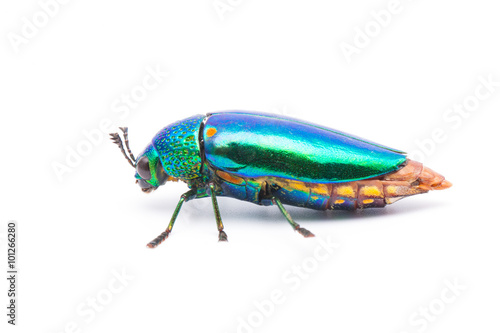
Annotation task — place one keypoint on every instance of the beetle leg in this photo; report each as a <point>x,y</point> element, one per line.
<point>218,219</point>
<point>164,235</point>
<point>303,231</point>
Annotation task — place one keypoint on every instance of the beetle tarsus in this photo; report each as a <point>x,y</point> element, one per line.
<point>158,240</point>
<point>304,232</point>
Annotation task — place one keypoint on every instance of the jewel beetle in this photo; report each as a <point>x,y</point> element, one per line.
<point>270,159</point>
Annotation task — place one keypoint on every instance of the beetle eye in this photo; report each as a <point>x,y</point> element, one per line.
<point>143,168</point>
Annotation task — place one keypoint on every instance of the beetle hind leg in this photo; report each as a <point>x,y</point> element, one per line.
<point>303,231</point>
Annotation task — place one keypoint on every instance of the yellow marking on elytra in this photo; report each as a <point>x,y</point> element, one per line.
<point>211,131</point>
<point>230,178</point>
<point>368,201</point>
<point>371,191</point>
<point>345,191</point>
<point>339,201</point>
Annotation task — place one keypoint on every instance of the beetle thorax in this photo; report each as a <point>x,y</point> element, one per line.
<point>178,148</point>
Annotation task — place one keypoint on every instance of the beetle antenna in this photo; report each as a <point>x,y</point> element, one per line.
<point>125,137</point>
<point>115,137</point>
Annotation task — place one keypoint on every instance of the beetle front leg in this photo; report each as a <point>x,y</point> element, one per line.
<point>303,231</point>
<point>218,219</point>
<point>164,235</point>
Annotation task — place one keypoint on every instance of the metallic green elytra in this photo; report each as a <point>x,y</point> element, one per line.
<point>268,159</point>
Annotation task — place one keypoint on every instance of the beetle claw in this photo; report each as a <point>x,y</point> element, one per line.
<point>222,236</point>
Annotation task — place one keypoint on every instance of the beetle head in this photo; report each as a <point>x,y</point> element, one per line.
<point>149,172</point>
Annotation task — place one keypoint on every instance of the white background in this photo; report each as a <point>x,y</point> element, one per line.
<point>77,232</point>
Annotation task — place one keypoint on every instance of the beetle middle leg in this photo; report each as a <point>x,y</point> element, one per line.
<point>164,235</point>
<point>303,231</point>
<point>218,219</point>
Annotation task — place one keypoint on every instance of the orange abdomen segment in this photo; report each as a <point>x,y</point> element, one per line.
<point>412,179</point>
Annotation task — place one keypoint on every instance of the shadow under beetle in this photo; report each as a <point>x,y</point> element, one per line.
<point>269,159</point>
